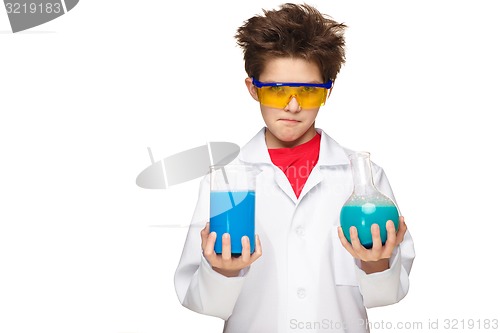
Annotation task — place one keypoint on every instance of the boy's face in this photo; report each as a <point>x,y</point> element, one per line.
<point>290,126</point>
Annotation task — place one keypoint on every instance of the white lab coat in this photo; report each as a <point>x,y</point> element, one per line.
<point>305,280</point>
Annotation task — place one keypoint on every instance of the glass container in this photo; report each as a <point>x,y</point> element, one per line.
<point>366,205</point>
<point>232,204</point>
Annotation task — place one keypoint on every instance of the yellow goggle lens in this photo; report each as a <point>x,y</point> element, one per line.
<point>280,96</point>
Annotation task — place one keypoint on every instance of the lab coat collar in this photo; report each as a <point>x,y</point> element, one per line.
<point>330,153</point>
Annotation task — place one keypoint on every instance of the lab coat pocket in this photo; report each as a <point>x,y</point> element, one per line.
<point>344,264</point>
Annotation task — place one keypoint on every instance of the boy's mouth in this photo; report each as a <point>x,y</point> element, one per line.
<point>289,120</point>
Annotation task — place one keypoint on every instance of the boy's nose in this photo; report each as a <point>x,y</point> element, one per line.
<point>293,105</point>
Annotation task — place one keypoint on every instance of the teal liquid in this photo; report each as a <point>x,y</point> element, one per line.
<point>234,214</point>
<point>363,216</point>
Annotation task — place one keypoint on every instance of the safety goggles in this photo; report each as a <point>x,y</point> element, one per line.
<point>279,94</point>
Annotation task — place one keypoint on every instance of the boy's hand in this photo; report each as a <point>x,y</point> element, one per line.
<point>224,263</point>
<point>375,259</point>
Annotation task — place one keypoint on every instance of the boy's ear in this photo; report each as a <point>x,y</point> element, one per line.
<point>251,88</point>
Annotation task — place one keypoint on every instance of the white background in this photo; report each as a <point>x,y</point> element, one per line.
<point>83,249</point>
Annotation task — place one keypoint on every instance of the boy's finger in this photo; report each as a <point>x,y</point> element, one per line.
<point>204,235</point>
<point>391,239</point>
<point>245,251</point>
<point>391,232</point>
<point>402,230</point>
<point>226,247</point>
<point>377,241</point>
<point>356,244</point>
<point>345,242</point>
<point>208,249</point>
<point>206,228</point>
<point>343,239</point>
<point>258,249</point>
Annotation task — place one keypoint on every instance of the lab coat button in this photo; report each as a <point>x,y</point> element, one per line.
<point>300,231</point>
<point>301,293</point>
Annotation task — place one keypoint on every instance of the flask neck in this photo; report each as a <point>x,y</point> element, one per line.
<point>362,173</point>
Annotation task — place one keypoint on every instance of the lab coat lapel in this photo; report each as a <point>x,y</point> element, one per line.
<point>284,184</point>
<point>330,154</point>
<point>315,177</point>
<point>255,152</point>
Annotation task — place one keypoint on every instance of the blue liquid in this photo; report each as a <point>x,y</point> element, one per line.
<point>235,214</point>
<point>362,217</point>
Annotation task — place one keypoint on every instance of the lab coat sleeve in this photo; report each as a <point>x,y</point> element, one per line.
<point>389,286</point>
<point>198,287</point>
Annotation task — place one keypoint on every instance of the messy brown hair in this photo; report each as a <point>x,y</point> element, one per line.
<point>298,31</point>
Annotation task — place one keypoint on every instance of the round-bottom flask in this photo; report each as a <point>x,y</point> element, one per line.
<point>366,205</point>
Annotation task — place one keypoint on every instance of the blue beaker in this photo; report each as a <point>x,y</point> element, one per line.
<point>232,205</point>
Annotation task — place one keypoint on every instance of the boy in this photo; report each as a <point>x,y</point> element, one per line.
<point>303,274</point>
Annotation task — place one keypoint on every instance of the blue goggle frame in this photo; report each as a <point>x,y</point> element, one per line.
<point>259,84</point>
